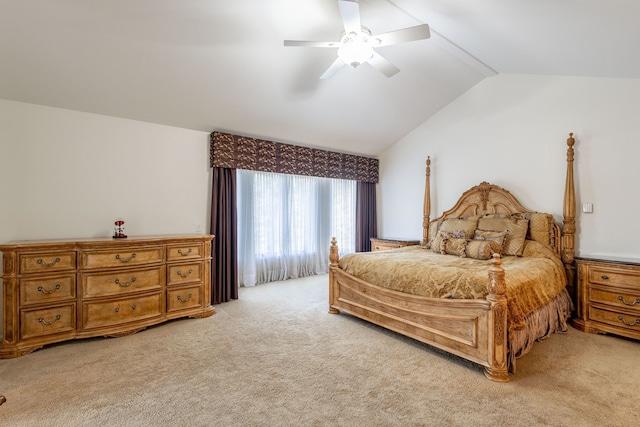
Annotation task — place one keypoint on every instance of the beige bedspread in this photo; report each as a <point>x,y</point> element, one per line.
<point>532,280</point>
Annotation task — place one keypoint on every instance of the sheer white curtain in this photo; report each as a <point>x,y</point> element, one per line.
<point>285,224</point>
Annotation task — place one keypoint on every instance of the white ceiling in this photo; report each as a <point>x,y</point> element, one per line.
<point>221,65</point>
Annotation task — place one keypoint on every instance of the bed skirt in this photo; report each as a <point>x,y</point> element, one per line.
<point>539,324</point>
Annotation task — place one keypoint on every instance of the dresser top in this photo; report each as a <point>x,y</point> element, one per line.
<point>610,259</point>
<point>394,239</point>
<point>124,241</point>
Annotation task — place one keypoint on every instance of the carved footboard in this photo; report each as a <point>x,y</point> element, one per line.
<point>473,329</point>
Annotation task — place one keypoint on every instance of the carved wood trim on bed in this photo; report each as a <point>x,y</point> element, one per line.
<point>473,329</point>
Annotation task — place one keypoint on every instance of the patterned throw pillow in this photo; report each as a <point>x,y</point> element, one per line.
<point>434,226</point>
<point>453,246</point>
<point>454,225</point>
<point>540,226</point>
<point>495,239</point>
<point>480,249</point>
<point>516,232</point>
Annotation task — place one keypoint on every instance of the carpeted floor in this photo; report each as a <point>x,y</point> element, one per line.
<point>275,357</point>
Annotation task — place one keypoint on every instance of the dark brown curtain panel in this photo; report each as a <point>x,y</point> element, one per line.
<point>224,267</point>
<point>366,220</point>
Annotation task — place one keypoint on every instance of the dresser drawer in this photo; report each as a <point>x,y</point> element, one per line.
<point>184,273</point>
<point>184,298</point>
<point>615,276</point>
<point>385,244</point>
<point>47,289</point>
<point>47,262</point>
<point>120,282</point>
<point>615,318</point>
<point>185,251</point>
<point>123,257</point>
<point>630,301</point>
<point>47,321</point>
<point>96,314</point>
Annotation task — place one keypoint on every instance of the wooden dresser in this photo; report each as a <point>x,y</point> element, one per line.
<point>380,244</point>
<point>608,296</point>
<point>66,289</point>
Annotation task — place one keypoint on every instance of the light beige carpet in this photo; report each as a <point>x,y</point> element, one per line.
<point>275,357</point>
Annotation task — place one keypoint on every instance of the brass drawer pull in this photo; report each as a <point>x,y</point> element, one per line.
<point>605,277</point>
<point>44,322</point>
<point>185,253</point>
<point>48,264</point>
<point>117,310</point>
<point>44,291</point>
<point>621,298</point>
<point>637,321</point>
<point>184,300</point>
<point>123,284</point>
<point>133,255</point>
<point>185,275</point>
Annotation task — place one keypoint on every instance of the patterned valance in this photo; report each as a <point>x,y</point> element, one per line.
<point>240,152</point>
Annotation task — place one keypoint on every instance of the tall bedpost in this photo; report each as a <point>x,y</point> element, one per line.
<point>334,258</point>
<point>426,207</point>
<point>497,371</point>
<point>569,222</point>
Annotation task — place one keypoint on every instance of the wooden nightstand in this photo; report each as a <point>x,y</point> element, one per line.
<point>608,296</point>
<point>380,244</point>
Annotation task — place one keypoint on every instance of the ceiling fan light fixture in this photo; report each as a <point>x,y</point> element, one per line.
<point>355,50</point>
<point>357,44</point>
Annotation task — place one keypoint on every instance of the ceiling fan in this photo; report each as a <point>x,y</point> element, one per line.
<point>356,45</point>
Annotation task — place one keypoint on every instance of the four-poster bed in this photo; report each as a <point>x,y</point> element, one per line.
<point>487,320</point>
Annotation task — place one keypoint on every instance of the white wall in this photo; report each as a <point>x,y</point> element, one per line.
<point>511,130</point>
<point>66,174</point>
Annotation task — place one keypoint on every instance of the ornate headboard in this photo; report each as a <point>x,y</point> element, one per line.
<point>487,199</point>
<point>484,199</point>
<point>490,199</point>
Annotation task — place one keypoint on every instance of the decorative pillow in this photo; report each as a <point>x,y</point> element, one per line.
<point>479,249</point>
<point>453,246</point>
<point>495,239</point>
<point>466,225</point>
<point>516,232</point>
<point>433,231</point>
<point>514,242</point>
<point>540,226</point>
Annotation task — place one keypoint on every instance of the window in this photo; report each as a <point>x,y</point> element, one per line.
<point>285,224</point>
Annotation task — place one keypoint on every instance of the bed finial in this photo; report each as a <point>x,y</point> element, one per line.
<point>333,252</point>
<point>571,141</point>
<point>427,204</point>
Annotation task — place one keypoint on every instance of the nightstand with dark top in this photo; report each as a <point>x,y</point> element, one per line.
<point>608,296</point>
<point>380,244</point>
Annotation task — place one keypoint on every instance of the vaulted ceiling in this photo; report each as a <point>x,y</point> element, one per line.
<point>221,65</point>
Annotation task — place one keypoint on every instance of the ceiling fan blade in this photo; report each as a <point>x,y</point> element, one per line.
<point>382,65</point>
<point>303,43</point>
<point>350,12</point>
<point>410,34</point>
<point>333,68</point>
